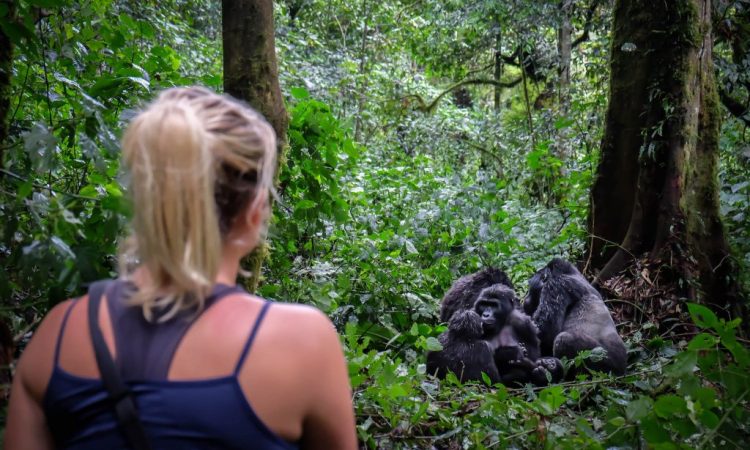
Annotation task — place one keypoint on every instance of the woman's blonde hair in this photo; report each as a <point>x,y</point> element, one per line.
<point>196,160</point>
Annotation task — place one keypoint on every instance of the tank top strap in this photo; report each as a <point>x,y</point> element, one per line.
<point>249,343</point>
<point>62,329</point>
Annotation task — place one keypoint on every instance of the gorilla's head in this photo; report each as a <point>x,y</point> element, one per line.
<point>465,325</point>
<point>556,277</point>
<point>493,305</point>
<point>465,291</point>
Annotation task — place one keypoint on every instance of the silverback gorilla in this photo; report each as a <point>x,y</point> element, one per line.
<point>571,317</point>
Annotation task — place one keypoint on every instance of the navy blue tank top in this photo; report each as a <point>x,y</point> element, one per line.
<point>195,414</point>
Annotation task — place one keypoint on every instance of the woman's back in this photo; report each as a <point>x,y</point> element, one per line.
<point>201,171</point>
<point>224,387</point>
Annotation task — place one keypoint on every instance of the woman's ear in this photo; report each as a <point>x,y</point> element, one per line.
<point>258,211</point>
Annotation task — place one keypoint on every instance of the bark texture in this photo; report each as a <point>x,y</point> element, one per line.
<point>6,70</point>
<point>7,344</point>
<point>656,188</point>
<point>251,74</point>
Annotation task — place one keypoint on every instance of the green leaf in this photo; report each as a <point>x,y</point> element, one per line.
<point>433,344</point>
<point>24,189</point>
<point>669,405</point>
<point>564,122</point>
<point>653,431</point>
<point>410,247</point>
<point>305,204</point>
<point>140,81</point>
<point>300,93</point>
<point>708,418</point>
<point>553,396</point>
<point>683,364</point>
<point>396,391</point>
<point>684,426</point>
<point>638,409</point>
<point>703,341</point>
<point>706,396</point>
<point>48,3</point>
<point>62,247</point>
<point>59,77</point>
<point>702,316</point>
<point>70,217</point>
<point>617,421</point>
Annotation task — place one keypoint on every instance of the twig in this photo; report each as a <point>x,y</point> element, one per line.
<point>730,410</point>
<point>49,188</point>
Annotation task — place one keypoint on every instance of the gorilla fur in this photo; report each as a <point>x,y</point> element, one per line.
<point>465,290</point>
<point>572,317</point>
<point>464,351</point>
<point>513,338</point>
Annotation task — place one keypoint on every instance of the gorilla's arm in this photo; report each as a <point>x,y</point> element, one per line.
<point>549,317</point>
<point>527,334</point>
<point>464,352</point>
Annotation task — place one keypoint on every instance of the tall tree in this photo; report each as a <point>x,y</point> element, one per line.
<point>6,68</point>
<point>251,74</point>
<point>7,9</point>
<point>656,189</point>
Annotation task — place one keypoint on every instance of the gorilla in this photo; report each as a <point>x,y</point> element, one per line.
<point>513,338</point>
<point>464,351</point>
<point>465,290</point>
<point>572,317</point>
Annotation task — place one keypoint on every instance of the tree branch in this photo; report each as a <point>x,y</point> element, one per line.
<point>734,107</point>
<point>587,25</point>
<point>429,107</point>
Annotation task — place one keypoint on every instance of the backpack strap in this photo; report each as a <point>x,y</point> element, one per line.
<point>119,393</point>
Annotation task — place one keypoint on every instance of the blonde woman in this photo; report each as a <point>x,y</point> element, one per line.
<point>206,364</point>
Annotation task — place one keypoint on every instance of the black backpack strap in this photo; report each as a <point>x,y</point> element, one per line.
<point>119,393</point>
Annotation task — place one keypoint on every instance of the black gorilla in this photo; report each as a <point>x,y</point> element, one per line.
<point>513,338</point>
<point>464,351</point>
<point>572,316</point>
<point>465,290</point>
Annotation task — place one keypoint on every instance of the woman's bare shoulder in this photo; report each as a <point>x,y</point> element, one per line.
<point>37,359</point>
<point>286,321</point>
<point>301,326</point>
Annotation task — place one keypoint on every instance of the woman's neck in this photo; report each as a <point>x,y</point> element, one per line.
<point>229,267</point>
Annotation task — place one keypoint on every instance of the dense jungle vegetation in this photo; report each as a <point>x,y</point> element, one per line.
<point>428,139</point>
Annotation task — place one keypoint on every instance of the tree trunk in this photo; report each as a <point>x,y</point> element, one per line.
<point>6,70</point>
<point>656,189</point>
<point>251,74</point>
<point>498,73</point>
<point>363,78</point>
<point>564,47</point>
<point>7,344</point>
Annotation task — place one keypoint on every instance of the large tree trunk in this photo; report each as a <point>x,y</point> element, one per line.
<point>655,192</point>
<point>7,344</point>
<point>6,70</point>
<point>498,73</point>
<point>251,74</point>
<point>564,49</point>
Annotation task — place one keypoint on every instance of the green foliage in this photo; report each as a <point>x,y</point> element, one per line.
<point>696,398</point>
<point>79,71</point>
<point>373,232</point>
<point>319,150</point>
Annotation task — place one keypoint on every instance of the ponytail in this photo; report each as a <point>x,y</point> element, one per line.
<point>185,153</point>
